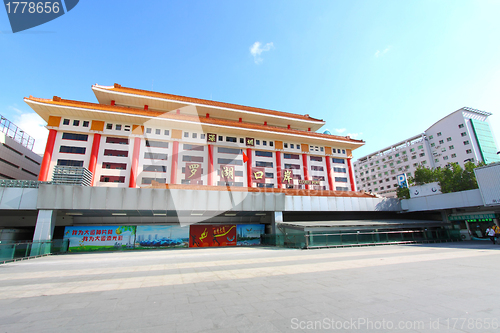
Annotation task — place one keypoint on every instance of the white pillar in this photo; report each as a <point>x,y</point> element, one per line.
<point>277,218</point>
<point>44,230</point>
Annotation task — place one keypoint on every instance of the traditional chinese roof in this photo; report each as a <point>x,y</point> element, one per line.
<point>46,107</point>
<point>191,100</point>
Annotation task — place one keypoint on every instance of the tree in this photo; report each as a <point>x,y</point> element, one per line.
<point>403,193</point>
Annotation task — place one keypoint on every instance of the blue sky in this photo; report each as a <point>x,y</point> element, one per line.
<point>380,71</point>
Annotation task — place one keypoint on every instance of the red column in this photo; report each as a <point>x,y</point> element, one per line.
<point>351,174</point>
<point>135,162</point>
<point>93,155</point>
<point>210,164</point>
<point>329,172</point>
<point>249,167</point>
<point>173,170</point>
<point>306,171</point>
<point>278,168</point>
<point>47,156</point>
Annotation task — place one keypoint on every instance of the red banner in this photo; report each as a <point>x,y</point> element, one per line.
<point>212,235</point>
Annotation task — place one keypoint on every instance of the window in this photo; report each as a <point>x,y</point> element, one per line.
<point>157,144</point>
<point>343,170</point>
<point>70,163</point>
<point>117,153</point>
<point>318,168</point>
<point>186,134</point>
<point>463,133</point>
<point>342,188</point>
<point>414,157</point>
<point>112,179</point>
<point>76,122</point>
<point>292,166</point>
<point>466,142</point>
<point>412,150</point>
<point>242,140</point>
<point>341,179</point>
<point>230,139</point>
<point>257,142</point>
<point>441,142</point>
<point>118,127</point>
<point>390,157</point>
<point>264,143</point>
<point>264,164</point>
<point>316,158</point>
<point>285,145</point>
<point>391,164</point>
<point>398,162</point>
<point>468,151</point>
<point>263,153</point>
<point>424,162</point>
<point>72,150</point>
<point>121,141</point>
<point>66,122</point>
<point>338,160</point>
<point>291,145</point>
<point>194,135</point>
<point>85,124</point>
<point>343,151</point>
<point>166,132</point>
<point>229,161</point>
<point>421,154</point>
<point>451,147</point>
<point>436,160</point>
<point>291,156</point>
<point>439,134</point>
<point>110,127</point>
<point>405,160</point>
<point>272,144</point>
<point>155,168</point>
<point>221,138</point>
<point>461,126</point>
<point>397,155</point>
<point>404,153</point>
<point>443,150</point>
<point>156,156</point>
<point>187,158</point>
<point>127,128</point>
<point>148,180</point>
<point>453,155</point>
<point>431,137</point>
<point>448,139</point>
<point>445,158</point>
<point>321,149</point>
<point>192,147</point>
<point>114,166</point>
<point>157,131</point>
<point>228,151</point>
<point>420,147</point>
<point>202,136</point>
<point>433,144</point>
<point>148,130</point>
<point>73,136</point>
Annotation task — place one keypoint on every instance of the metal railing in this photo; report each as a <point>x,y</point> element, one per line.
<point>311,241</point>
<point>11,130</point>
<point>21,183</point>
<point>27,250</point>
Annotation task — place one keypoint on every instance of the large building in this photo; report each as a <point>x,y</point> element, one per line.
<point>17,159</point>
<point>136,138</point>
<point>461,136</point>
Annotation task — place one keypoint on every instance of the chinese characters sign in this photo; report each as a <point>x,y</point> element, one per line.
<point>193,171</point>
<point>212,235</point>
<point>211,137</point>
<point>90,238</point>
<point>258,175</point>
<point>288,176</point>
<point>227,173</point>
<point>250,142</point>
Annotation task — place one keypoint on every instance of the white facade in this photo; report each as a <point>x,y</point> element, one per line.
<point>17,161</point>
<point>453,139</point>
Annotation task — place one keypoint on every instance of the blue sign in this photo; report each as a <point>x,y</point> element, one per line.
<point>25,15</point>
<point>402,181</point>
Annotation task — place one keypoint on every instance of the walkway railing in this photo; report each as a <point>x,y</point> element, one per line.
<point>311,241</point>
<point>27,250</point>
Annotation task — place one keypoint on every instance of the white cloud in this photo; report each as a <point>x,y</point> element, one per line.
<point>256,50</point>
<point>381,53</point>
<point>339,130</point>
<point>34,126</point>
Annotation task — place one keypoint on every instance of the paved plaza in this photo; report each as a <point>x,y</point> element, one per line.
<point>449,287</point>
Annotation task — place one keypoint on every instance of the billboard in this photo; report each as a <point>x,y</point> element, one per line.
<point>425,190</point>
<point>205,235</point>
<point>249,234</point>
<point>160,236</point>
<point>96,238</point>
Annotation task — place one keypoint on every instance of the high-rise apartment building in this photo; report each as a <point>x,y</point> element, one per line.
<point>461,136</point>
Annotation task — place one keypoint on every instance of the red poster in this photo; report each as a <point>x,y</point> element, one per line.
<point>212,235</point>
<point>193,171</point>
<point>258,175</point>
